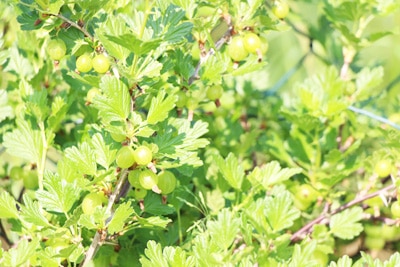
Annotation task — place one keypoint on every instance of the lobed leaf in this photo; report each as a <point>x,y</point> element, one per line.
<point>121,215</point>
<point>8,206</point>
<point>345,224</point>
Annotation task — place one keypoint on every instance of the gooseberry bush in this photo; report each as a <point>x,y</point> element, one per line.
<point>199,133</point>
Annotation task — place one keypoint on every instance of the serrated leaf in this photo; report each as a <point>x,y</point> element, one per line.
<point>5,109</point>
<point>148,67</point>
<point>344,261</point>
<point>19,256</point>
<point>252,64</point>
<point>135,44</point>
<point>8,208</point>
<point>114,102</point>
<point>154,255</point>
<point>177,257</point>
<point>21,65</point>
<point>393,261</point>
<point>92,80</point>
<point>59,109</point>
<point>160,107</point>
<point>279,210</point>
<point>95,220</point>
<point>36,105</point>
<point>154,221</point>
<point>58,196</point>
<point>231,170</point>
<point>367,82</point>
<point>153,205</point>
<point>105,155</point>
<point>345,224</point>
<point>24,142</point>
<point>302,255</point>
<point>271,174</point>
<point>33,213</point>
<point>121,214</point>
<point>178,33</point>
<point>83,158</point>
<point>224,230</point>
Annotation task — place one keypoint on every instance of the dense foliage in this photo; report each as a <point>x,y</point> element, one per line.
<point>199,133</point>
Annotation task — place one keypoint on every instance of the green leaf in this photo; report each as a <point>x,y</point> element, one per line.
<point>223,231</point>
<point>231,170</point>
<point>36,105</point>
<point>154,255</point>
<point>105,154</point>
<point>19,256</point>
<point>24,142</point>
<point>393,261</point>
<point>135,44</point>
<point>18,63</point>
<point>121,214</point>
<point>83,158</point>
<point>279,209</point>
<point>8,208</point>
<point>154,221</point>
<point>153,205</point>
<point>167,24</point>
<point>59,109</point>
<point>114,102</point>
<point>271,174</point>
<point>252,64</point>
<point>5,109</point>
<point>345,224</point>
<point>59,195</point>
<point>160,107</point>
<point>33,213</point>
<point>148,67</point>
<point>367,82</point>
<point>302,255</point>
<point>344,261</point>
<point>177,257</point>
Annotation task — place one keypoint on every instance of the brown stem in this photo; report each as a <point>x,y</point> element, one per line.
<point>75,25</point>
<point>298,235</point>
<point>99,237</point>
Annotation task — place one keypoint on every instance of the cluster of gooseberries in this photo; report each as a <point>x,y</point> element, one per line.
<point>99,63</point>
<point>141,178</point>
<point>244,44</point>
<point>84,63</point>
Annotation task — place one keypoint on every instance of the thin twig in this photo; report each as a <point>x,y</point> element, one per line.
<point>75,25</point>
<point>373,116</point>
<point>298,235</point>
<point>97,240</point>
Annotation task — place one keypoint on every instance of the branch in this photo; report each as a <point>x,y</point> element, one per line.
<point>373,116</point>
<point>307,228</point>
<point>99,237</point>
<point>75,25</point>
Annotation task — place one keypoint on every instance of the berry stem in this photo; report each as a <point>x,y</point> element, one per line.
<point>325,217</point>
<point>98,239</point>
<point>75,25</point>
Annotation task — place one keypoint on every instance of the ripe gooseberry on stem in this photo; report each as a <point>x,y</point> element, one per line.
<point>252,42</point>
<point>125,157</point>
<point>148,179</point>
<point>101,64</point>
<point>395,209</point>
<point>280,9</point>
<point>91,94</point>
<point>143,155</point>
<point>236,49</point>
<point>166,182</point>
<point>56,49</point>
<point>214,92</point>
<point>90,202</point>
<point>84,63</point>
<point>383,168</point>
